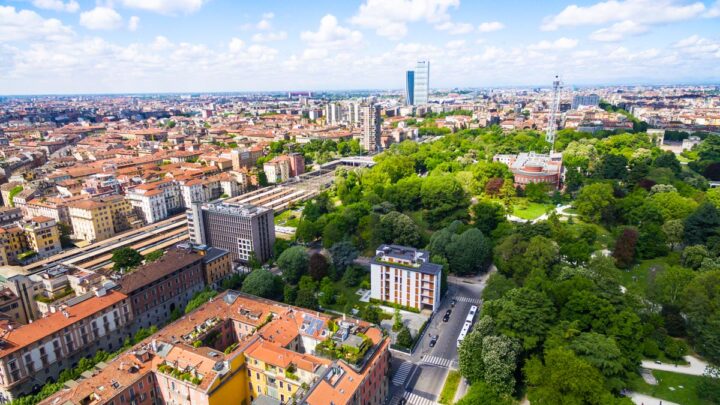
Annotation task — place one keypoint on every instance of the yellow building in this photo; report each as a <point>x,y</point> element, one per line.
<point>43,236</point>
<point>12,244</point>
<point>97,219</point>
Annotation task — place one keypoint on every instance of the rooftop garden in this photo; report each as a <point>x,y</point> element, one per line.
<point>183,375</point>
<point>49,300</point>
<point>351,354</point>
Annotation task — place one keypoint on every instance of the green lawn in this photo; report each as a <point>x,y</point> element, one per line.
<point>288,218</point>
<point>530,210</point>
<point>638,277</point>
<point>685,396</point>
<point>451,385</point>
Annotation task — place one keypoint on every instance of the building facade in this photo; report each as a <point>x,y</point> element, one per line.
<point>34,354</point>
<point>371,127</point>
<point>421,91</point>
<point>405,276</point>
<point>242,229</point>
<point>97,219</point>
<point>43,236</point>
<point>534,168</point>
<point>410,87</point>
<point>157,289</point>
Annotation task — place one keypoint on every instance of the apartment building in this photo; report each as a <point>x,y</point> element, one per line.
<point>245,158</point>
<point>9,215</point>
<point>242,229</point>
<point>278,169</point>
<point>97,219</point>
<point>245,350</point>
<point>157,289</point>
<point>154,201</point>
<point>13,243</point>
<point>34,354</point>
<point>405,276</point>
<point>43,236</point>
<point>11,307</point>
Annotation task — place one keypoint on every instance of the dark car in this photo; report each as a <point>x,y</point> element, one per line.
<point>433,340</point>
<point>453,302</point>
<point>403,401</point>
<point>447,315</point>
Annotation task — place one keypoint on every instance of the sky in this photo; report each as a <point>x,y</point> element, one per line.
<point>147,46</point>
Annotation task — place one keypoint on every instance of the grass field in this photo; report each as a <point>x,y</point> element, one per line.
<point>640,276</point>
<point>530,210</point>
<point>288,218</point>
<point>451,385</point>
<point>685,396</point>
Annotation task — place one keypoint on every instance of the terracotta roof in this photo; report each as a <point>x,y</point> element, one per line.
<point>171,261</point>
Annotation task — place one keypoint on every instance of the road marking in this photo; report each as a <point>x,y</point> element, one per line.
<point>415,399</point>
<point>438,361</point>
<point>468,299</point>
<point>402,373</point>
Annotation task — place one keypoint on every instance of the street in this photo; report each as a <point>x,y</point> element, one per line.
<point>419,378</point>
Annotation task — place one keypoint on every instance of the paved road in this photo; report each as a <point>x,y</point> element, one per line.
<point>696,366</point>
<point>432,364</point>
<point>642,399</point>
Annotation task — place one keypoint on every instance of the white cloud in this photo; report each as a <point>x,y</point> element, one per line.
<point>314,53</point>
<point>167,7</point>
<point>101,18</point>
<point>454,28</point>
<point>491,26</point>
<point>455,44</point>
<point>264,25</point>
<point>57,5</point>
<point>236,45</point>
<point>133,23</point>
<point>638,11</point>
<point>268,16</point>
<point>558,44</point>
<point>269,36</point>
<point>331,35</point>
<point>390,18</point>
<point>698,47</point>
<point>618,31</point>
<point>19,25</point>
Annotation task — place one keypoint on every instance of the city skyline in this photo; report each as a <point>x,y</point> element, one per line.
<point>71,47</point>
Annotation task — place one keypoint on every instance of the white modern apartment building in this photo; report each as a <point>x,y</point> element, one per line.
<point>404,275</point>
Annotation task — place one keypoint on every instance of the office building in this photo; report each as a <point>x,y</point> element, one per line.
<point>405,276</point>
<point>241,349</point>
<point>591,100</point>
<point>421,91</point>
<point>410,87</point>
<point>371,127</point>
<point>242,229</point>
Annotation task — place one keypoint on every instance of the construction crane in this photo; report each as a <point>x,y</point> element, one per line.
<point>554,111</point>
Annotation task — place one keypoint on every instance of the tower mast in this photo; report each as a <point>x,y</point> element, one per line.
<point>554,111</point>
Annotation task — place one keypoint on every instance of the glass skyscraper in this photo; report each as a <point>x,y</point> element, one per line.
<point>422,82</point>
<point>410,87</point>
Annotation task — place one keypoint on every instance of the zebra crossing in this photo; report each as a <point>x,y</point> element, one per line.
<point>475,301</point>
<point>402,373</point>
<point>438,361</point>
<point>414,399</point>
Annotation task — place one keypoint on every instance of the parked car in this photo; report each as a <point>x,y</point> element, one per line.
<point>453,302</point>
<point>434,340</point>
<point>447,315</point>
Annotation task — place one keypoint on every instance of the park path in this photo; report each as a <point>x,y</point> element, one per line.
<point>696,366</point>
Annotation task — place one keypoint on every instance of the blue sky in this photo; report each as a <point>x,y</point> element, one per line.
<point>78,46</point>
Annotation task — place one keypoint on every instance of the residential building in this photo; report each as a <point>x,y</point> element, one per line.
<point>405,276</point>
<point>534,168</point>
<point>34,354</point>
<point>297,164</point>
<point>158,288</point>
<point>590,100</point>
<point>13,244</point>
<point>97,219</point>
<point>277,170</point>
<point>9,215</point>
<point>43,236</point>
<point>242,349</point>
<point>155,201</point>
<point>333,113</point>
<point>371,127</point>
<point>242,229</point>
<point>409,87</point>
<point>11,307</point>
<point>217,264</point>
<point>421,92</point>
<point>245,158</point>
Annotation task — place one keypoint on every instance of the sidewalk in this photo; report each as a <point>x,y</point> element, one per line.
<point>461,390</point>
<point>696,367</point>
<point>642,399</point>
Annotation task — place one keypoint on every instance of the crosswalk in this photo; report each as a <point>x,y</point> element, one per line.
<point>414,399</point>
<point>401,374</point>
<point>475,301</point>
<point>438,361</point>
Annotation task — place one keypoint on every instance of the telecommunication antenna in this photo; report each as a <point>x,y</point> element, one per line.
<point>554,110</point>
